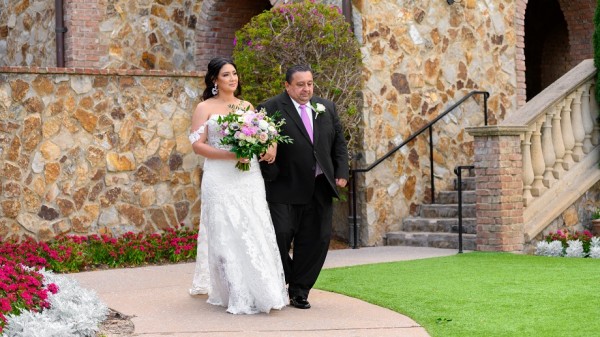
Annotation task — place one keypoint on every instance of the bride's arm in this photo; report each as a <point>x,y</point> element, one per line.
<point>199,135</point>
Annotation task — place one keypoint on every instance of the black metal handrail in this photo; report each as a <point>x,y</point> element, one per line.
<point>429,125</point>
<point>458,172</point>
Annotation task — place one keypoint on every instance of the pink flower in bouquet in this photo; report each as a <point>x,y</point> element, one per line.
<point>248,130</point>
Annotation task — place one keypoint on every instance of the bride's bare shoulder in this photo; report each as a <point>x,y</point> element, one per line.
<point>205,105</point>
<point>203,110</point>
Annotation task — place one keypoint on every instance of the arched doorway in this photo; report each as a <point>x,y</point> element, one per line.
<point>577,18</point>
<point>547,47</point>
<point>218,22</point>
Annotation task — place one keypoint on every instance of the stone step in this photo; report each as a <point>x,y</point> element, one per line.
<point>440,225</point>
<point>446,211</point>
<point>428,239</point>
<point>451,197</point>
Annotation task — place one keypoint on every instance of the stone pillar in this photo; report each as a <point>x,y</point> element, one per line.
<point>499,187</point>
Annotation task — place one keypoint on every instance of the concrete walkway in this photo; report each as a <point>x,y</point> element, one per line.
<point>158,300</point>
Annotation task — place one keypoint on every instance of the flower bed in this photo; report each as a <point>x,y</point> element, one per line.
<point>78,253</point>
<point>22,289</point>
<point>68,310</point>
<point>32,298</point>
<point>563,243</point>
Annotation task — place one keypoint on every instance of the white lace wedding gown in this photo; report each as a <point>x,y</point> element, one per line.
<point>238,261</point>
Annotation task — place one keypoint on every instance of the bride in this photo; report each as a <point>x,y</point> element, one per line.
<point>238,261</point>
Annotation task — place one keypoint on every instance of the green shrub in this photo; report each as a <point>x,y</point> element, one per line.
<point>303,33</point>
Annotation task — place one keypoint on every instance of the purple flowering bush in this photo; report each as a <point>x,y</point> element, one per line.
<point>305,33</point>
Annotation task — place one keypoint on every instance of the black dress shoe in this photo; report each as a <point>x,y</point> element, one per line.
<point>299,302</point>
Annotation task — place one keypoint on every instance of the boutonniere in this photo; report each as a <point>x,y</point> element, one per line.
<point>318,109</point>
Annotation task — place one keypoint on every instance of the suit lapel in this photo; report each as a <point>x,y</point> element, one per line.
<point>316,123</point>
<point>291,112</point>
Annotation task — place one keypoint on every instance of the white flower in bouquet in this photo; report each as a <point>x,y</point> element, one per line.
<point>263,124</point>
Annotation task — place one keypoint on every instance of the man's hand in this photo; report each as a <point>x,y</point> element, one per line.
<point>341,182</point>
<point>269,156</point>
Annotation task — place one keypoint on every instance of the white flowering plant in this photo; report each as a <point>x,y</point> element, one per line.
<point>73,311</point>
<point>250,133</point>
<point>563,243</point>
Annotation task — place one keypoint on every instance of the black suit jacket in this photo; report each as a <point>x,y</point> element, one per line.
<point>291,178</point>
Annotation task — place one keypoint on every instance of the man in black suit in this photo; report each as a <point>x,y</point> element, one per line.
<point>302,178</point>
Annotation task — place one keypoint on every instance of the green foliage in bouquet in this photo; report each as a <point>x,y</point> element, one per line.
<point>304,33</point>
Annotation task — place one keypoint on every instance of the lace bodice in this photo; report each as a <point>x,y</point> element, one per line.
<point>212,129</point>
<point>214,135</point>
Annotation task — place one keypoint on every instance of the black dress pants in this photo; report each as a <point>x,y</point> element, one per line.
<point>308,226</point>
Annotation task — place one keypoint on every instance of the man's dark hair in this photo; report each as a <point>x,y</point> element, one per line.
<point>295,69</point>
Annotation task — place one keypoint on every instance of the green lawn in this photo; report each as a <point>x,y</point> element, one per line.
<point>482,294</point>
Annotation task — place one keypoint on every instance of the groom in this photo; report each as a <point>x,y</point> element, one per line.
<point>302,178</point>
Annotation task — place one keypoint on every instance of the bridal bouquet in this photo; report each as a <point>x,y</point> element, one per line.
<point>250,133</point>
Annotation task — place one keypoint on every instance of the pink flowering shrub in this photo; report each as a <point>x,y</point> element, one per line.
<point>76,253</point>
<point>21,289</point>
<point>564,236</point>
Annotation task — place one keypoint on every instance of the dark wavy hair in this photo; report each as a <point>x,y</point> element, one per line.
<point>214,66</point>
<point>295,69</point>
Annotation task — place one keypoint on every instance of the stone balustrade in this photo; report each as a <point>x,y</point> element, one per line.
<point>561,136</point>
<point>557,133</point>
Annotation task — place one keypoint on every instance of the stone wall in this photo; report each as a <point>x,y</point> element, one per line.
<point>145,34</point>
<point>27,35</point>
<point>96,151</point>
<point>420,58</point>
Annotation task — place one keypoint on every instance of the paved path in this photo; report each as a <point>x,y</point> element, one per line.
<point>157,299</point>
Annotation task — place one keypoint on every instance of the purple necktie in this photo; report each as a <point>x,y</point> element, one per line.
<point>306,121</point>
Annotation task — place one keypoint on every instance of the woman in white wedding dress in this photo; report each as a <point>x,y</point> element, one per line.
<point>238,261</point>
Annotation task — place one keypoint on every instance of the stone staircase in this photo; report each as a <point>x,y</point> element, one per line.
<point>437,224</point>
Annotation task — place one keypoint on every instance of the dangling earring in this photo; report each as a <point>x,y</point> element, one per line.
<point>215,90</point>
